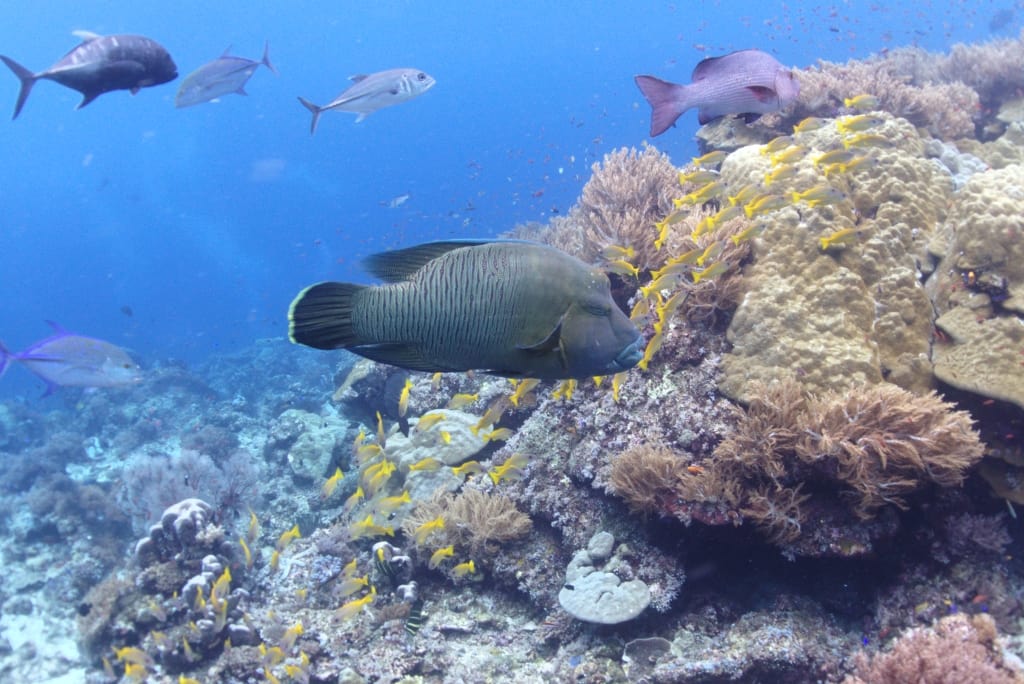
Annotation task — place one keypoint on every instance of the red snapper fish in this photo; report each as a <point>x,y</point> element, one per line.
<point>368,93</point>
<point>747,82</point>
<point>68,360</point>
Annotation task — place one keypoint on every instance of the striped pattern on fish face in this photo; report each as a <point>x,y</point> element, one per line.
<point>510,308</point>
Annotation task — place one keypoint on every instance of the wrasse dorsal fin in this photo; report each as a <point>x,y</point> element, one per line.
<point>400,264</point>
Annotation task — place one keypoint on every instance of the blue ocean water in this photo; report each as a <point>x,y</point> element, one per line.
<point>182,233</point>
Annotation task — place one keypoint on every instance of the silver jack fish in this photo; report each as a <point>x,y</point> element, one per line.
<point>374,91</point>
<point>101,64</point>
<point>223,76</point>
<point>747,82</point>
<point>509,307</point>
<point>68,360</point>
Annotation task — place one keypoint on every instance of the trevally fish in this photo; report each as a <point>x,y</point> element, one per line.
<point>101,64</point>
<point>225,75</point>
<point>746,82</point>
<point>371,92</point>
<point>508,307</point>
<point>68,360</point>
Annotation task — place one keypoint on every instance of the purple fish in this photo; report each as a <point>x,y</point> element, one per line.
<point>68,360</point>
<point>101,64</point>
<point>371,92</point>
<point>745,82</point>
<point>225,75</point>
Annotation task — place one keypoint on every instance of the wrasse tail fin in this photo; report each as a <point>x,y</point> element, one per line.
<point>321,316</point>
<point>316,113</point>
<point>27,78</point>
<point>665,100</point>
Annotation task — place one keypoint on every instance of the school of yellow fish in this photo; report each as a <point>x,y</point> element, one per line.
<point>727,217</point>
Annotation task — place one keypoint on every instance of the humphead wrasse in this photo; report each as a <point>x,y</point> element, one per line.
<point>509,307</point>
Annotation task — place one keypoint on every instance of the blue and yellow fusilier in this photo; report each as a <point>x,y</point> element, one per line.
<point>509,307</point>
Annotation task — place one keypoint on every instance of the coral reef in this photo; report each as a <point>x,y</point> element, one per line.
<point>628,192</point>
<point>957,648</point>
<point>342,536</point>
<point>593,592</point>
<point>809,470</point>
<point>839,317</point>
<point>976,288</point>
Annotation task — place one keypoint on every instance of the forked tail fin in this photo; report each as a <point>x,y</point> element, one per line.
<point>316,113</point>
<point>266,58</point>
<point>27,78</point>
<point>666,100</point>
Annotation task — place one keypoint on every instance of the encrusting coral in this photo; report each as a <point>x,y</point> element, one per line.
<point>844,456</point>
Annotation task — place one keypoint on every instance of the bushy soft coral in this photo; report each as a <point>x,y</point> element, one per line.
<point>628,192</point>
<point>956,650</point>
<point>474,520</point>
<point>844,456</point>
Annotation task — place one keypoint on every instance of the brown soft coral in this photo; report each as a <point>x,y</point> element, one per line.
<point>879,443</point>
<point>844,456</point>
<point>944,109</point>
<point>957,649</point>
<point>628,192</point>
<point>474,520</point>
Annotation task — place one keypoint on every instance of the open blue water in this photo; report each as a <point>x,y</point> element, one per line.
<point>203,223</point>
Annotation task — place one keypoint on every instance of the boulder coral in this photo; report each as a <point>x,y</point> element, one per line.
<point>977,288</point>
<point>839,317</point>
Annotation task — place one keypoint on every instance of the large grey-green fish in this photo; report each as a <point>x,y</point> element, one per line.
<point>509,307</point>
